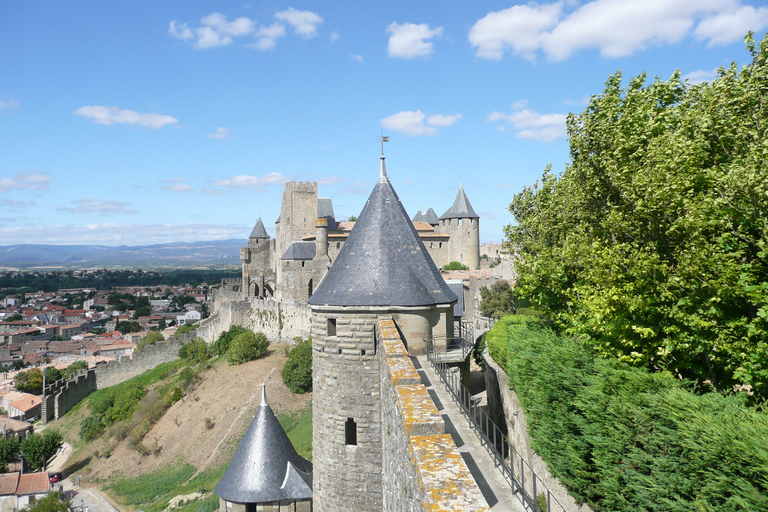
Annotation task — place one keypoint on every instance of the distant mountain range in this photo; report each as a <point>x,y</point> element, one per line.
<point>176,254</point>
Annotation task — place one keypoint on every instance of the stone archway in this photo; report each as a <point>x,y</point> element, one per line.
<point>254,291</point>
<point>269,289</point>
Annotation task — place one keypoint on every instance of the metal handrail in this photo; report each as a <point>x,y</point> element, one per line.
<point>452,343</point>
<point>493,439</point>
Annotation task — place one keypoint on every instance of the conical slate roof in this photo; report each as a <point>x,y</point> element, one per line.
<point>266,467</point>
<point>383,262</point>
<point>419,217</point>
<point>461,208</point>
<point>259,231</point>
<point>431,217</point>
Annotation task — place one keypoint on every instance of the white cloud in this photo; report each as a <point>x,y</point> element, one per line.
<point>8,102</point>
<point>700,76</point>
<point>214,31</point>
<point>443,120</point>
<point>176,185</point>
<point>486,214</point>
<point>304,23</point>
<point>410,40</point>
<point>245,181</point>
<point>121,234</point>
<point>330,180</point>
<point>357,58</point>
<point>266,37</point>
<point>220,133</point>
<point>180,30</point>
<point>729,27</point>
<point>417,123</point>
<point>335,36</point>
<point>615,27</point>
<point>517,29</point>
<point>112,115</point>
<point>529,124</point>
<point>16,203</point>
<point>26,180</point>
<point>99,206</point>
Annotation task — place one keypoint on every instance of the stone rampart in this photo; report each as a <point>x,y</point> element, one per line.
<point>281,321</point>
<point>506,410</point>
<point>152,355</point>
<point>422,467</point>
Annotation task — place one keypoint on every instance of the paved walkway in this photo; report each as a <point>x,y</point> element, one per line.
<point>494,487</point>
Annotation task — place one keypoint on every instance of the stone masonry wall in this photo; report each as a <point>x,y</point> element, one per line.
<point>505,409</point>
<point>152,355</point>
<point>422,467</point>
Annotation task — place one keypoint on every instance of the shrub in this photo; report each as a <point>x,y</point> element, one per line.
<point>455,265</point>
<point>297,372</point>
<point>186,329</point>
<point>195,351</point>
<point>221,345</point>
<point>247,347</point>
<point>151,338</point>
<point>498,300</point>
<point>91,428</point>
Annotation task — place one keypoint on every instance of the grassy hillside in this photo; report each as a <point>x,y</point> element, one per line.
<point>153,454</point>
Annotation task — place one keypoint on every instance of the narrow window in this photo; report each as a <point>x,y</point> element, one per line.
<point>331,327</point>
<point>350,432</point>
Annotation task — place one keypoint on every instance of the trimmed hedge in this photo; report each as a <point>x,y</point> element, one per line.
<point>621,438</point>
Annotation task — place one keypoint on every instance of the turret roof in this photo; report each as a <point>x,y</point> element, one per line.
<point>461,208</point>
<point>265,467</point>
<point>431,217</point>
<point>259,231</point>
<point>383,262</point>
<point>419,217</point>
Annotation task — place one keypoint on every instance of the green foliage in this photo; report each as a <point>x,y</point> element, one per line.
<point>186,328</point>
<point>195,351</point>
<point>221,345</point>
<point>91,428</point>
<point>498,300</point>
<point>30,381</point>
<point>297,371</point>
<point>54,501</point>
<point>9,452</point>
<point>110,406</point>
<point>14,318</point>
<point>623,439</point>
<point>37,449</point>
<point>298,427</point>
<point>455,265</point>
<point>52,374</point>
<point>72,369</point>
<point>151,338</point>
<point>652,243</point>
<point>125,327</point>
<point>145,489</point>
<point>246,347</point>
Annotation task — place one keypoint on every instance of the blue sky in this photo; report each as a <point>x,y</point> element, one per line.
<point>150,122</point>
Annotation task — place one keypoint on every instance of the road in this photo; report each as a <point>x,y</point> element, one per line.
<point>84,499</point>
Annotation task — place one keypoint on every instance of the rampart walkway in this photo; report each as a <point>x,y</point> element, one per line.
<point>495,489</point>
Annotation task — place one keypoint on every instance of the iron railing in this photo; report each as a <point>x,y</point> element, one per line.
<point>453,345</point>
<point>529,488</point>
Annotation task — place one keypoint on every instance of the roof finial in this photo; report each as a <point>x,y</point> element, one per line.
<point>264,394</point>
<point>383,171</point>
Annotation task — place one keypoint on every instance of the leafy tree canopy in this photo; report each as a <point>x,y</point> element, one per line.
<point>652,243</point>
<point>297,372</point>
<point>51,502</point>
<point>37,449</point>
<point>9,452</point>
<point>498,300</point>
<point>30,381</point>
<point>247,347</point>
<point>455,265</point>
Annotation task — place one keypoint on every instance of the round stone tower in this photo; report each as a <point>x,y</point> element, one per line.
<point>462,224</point>
<point>383,269</point>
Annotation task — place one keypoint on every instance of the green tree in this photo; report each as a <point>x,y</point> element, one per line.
<point>195,351</point>
<point>297,372</point>
<point>30,381</point>
<point>151,338</point>
<point>75,367</point>
<point>498,300</point>
<point>9,452</point>
<point>161,324</point>
<point>38,449</point>
<point>222,343</point>
<point>14,318</point>
<point>652,243</point>
<point>52,374</point>
<point>54,501</point>
<point>126,327</point>
<point>455,265</point>
<point>247,347</point>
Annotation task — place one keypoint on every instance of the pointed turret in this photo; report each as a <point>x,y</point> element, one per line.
<point>431,217</point>
<point>258,230</point>
<point>266,467</point>
<point>461,208</point>
<point>419,217</point>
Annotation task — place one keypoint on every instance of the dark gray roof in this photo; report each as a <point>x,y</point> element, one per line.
<point>419,217</point>
<point>259,231</point>
<point>266,467</point>
<point>325,211</point>
<point>300,251</point>
<point>431,217</point>
<point>457,285</point>
<point>383,262</point>
<point>461,208</point>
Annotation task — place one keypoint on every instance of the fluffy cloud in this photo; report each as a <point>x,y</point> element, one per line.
<point>8,102</point>
<point>616,27</point>
<point>529,124</point>
<point>215,30</point>
<point>245,181</point>
<point>220,133</point>
<point>99,206</point>
<point>26,180</point>
<point>13,203</point>
<point>409,40</point>
<point>417,123</point>
<point>304,23</point>
<point>700,76</point>
<point>121,234</point>
<point>112,115</point>
<point>176,185</point>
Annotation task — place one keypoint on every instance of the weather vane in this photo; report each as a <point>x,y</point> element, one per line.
<point>383,139</point>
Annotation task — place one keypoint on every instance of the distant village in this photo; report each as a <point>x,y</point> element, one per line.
<point>44,329</point>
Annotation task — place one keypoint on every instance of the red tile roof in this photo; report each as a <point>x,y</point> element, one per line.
<point>33,483</point>
<point>8,483</point>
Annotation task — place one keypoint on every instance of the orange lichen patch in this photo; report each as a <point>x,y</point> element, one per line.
<point>444,476</point>
<point>420,416</point>
<point>401,371</point>
<point>390,339</point>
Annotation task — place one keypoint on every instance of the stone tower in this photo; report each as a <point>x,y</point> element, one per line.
<point>462,224</point>
<point>257,264</point>
<point>298,213</point>
<point>382,270</point>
